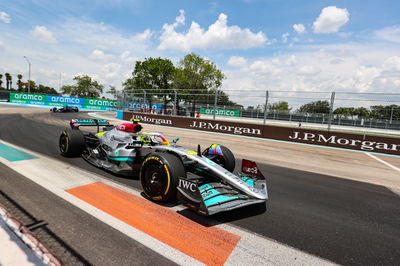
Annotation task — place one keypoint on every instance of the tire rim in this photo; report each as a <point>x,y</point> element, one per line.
<point>63,144</point>
<point>155,179</point>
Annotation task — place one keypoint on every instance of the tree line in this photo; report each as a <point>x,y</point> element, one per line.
<point>323,107</point>
<point>22,86</point>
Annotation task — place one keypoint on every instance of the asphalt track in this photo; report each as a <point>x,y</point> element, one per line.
<point>347,222</point>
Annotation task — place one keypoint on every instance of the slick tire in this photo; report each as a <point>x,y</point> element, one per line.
<point>227,160</point>
<point>159,176</point>
<point>71,143</point>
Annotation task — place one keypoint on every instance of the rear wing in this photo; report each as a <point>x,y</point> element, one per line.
<point>76,123</point>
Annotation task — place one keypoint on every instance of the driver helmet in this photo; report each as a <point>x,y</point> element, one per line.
<point>129,127</point>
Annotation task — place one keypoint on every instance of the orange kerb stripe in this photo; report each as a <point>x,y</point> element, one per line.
<point>209,245</point>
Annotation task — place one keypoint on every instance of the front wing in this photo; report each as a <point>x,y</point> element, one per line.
<point>212,198</point>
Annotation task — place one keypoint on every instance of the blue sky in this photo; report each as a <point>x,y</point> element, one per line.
<point>259,44</point>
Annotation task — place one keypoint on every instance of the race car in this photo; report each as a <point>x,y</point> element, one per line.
<point>200,180</point>
<point>65,109</point>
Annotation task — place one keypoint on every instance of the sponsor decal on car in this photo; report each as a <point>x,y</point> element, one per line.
<point>185,184</point>
<point>153,158</point>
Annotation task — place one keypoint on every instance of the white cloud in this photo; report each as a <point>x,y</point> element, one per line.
<point>299,28</point>
<point>357,68</point>
<point>103,36</point>
<point>391,34</point>
<point>143,37</point>
<point>99,55</point>
<point>331,20</point>
<point>43,34</point>
<point>5,17</point>
<point>392,64</point>
<point>285,37</point>
<point>112,70</point>
<point>218,35</point>
<point>237,61</point>
<point>127,58</point>
<point>308,70</point>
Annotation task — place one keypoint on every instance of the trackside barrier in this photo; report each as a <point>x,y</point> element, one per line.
<point>28,238</point>
<point>359,142</point>
<point>59,101</point>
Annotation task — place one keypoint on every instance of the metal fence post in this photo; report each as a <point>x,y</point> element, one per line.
<point>331,111</point>
<point>176,102</point>
<point>265,107</point>
<point>144,101</point>
<point>391,115</point>
<point>215,103</point>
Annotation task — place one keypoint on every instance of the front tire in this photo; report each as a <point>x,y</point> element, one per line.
<point>71,143</point>
<point>159,176</point>
<point>226,160</point>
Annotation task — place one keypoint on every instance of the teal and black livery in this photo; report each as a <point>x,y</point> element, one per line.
<point>214,197</point>
<point>76,123</point>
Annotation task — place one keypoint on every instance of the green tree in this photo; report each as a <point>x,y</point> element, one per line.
<point>45,90</point>
<point>342,111</point>
<point>8,81</point>
<point>1,81</point>
<point>154,75</point>
<point>361,112</point>
<point>85,87</point>
<point>32,85</point>
<point>196,76</point>
<point>384,111</point>
<point>316,107</point>
<point>279,106</point>
<point>113,91</point>
<point>19,82</point>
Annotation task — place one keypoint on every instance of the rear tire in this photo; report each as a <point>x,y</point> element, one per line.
<point>159,176</point>
<point>71,143</point>
<point>227,160</point>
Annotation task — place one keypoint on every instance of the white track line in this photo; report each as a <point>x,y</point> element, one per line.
<point>252,249</point>
<point>385,163</point>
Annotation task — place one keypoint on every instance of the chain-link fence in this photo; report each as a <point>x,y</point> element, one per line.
<point>367,110</point>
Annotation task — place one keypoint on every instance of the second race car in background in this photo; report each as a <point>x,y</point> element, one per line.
<point>65,109</point>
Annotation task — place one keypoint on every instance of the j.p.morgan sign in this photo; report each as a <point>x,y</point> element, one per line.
<point>345,141</point>
<point>387,145</point>
<point>217,126</point>
<point>198,124</point>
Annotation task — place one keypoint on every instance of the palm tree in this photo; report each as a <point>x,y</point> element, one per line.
<point>8,78</point>
<point>1,81</point>
<point>19,82</point>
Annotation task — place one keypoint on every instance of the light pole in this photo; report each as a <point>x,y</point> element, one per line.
<point>29,80</point>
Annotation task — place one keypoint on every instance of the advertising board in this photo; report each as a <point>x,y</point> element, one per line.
<point>23,98</point>
<point>142,106</point>
<point>220,112</point>
<point>360,142</point>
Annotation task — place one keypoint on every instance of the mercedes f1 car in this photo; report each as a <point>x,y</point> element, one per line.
<point>200,180</point>
<point>65,109</point>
